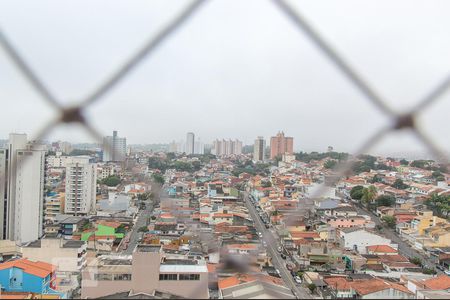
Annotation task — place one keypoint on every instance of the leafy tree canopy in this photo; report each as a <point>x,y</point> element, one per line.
<point>111,181</point>
<point>385,200</point>
<point>357,192</point>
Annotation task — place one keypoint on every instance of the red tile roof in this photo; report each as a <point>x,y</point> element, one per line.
<point>245,278</point>
<point>381,249</point>
<point>442,282</point>
<point>40,269</point>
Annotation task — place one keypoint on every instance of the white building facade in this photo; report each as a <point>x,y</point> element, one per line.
<point>81,182</point>
<point>190,143</point>
<point>226,147</point>
<point>22,174</point>
<point>259,149</point>
<point>114,148</point>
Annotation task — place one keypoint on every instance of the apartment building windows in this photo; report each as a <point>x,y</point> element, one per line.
<point>168,277</point>
<point>189,276</point>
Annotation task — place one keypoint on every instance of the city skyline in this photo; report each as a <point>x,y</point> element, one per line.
<point>179,144</point>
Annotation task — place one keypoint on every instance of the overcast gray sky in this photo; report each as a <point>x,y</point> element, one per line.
<point>237,69</point>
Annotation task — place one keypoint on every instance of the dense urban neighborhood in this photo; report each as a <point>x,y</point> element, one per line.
<point>229,222</point>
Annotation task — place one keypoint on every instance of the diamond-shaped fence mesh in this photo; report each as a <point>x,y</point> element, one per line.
<point>74,114</point>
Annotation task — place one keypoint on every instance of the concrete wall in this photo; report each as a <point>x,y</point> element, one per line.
<point>145,271</point>
<point>96,289</point>
<point>66,259</point>
<point>197,289</point>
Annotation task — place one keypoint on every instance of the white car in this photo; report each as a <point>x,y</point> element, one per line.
<point>279,249</point>
<point>297,279</point>
<point>259,234</point>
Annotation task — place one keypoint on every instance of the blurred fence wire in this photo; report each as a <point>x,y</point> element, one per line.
<point>74,114</point>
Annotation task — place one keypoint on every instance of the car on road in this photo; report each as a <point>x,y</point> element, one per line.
<point>279,249</point>
<point>259,234</point>
<point>283,256</point>
<point>267,226</point>
<point>297,279</point>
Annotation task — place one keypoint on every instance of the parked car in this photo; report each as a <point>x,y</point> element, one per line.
<point>267,226</point>
<point>283,256</point>
<point>279,249</point>
<point>297,279</point>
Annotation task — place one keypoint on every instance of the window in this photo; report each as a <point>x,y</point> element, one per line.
<point>103,277</point>
<point>189,276</point>
<point>122,277</point>
<point>168,277</point>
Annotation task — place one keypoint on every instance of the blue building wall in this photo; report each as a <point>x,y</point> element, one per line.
<point>15,280</point>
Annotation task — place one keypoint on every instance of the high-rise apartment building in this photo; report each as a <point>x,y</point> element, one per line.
<point>190,143</point>
<point>22,173</point>
<point>114,148</point>
<point>81,181</point>
<point>259,149</point>
<point>226,147</point>
<point>280,145</point>
<point>198,147</point>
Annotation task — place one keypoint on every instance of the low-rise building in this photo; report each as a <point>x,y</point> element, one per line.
<point>147,270</point>
<point>28,276</point>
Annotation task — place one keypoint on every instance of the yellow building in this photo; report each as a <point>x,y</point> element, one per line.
<point>425,220</point>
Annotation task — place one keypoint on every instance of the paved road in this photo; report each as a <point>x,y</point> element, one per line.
<point>277,261</point>
<point>141,221</point>
<point>403,247</point>
<point>142,218</point>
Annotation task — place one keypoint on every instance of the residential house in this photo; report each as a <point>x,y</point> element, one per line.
<point>28,276</point>
<point>358,239</point>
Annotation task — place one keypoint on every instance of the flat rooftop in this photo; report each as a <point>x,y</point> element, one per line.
<point>148,248</point>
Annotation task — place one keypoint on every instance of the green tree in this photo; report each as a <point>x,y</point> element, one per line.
<point>158,178</point>
<point>111,181</point>
<point>357,192</point>
<point>389,221</point>
<point>157,163</point>
<point>266,184</point>
<point>404,162</point>
<point>277,159</point>
<point>415,260</point>
<point>429,271</point>
<point>439,204</point>
<point>78,152</point>
<point>385,200</point>
<point>369,194</point>
<point>438,176</point>
<point>171,156</point>
<point>376,178</point>
<point>330,164</point>
<point>312,287</point>
<point>143,229</point>
<point>399,184</point>
<point>419,164</point>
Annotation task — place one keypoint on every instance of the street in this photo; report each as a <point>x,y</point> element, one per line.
<point>403,247</point>
<point>272,244</point>
<point>141,221</point>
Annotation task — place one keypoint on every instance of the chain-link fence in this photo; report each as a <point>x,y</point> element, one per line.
<point>75,114</point>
